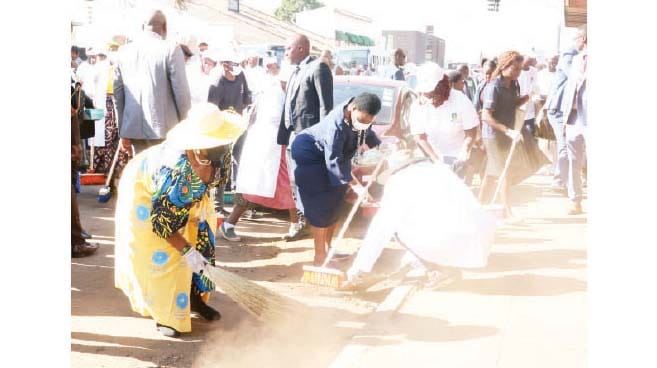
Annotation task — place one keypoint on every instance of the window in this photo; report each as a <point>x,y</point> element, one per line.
<point>342,92</point>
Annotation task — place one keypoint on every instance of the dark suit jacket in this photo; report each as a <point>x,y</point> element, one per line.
<point>311,100</point>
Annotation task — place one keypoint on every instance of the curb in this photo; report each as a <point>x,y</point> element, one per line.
<point>352,353</point>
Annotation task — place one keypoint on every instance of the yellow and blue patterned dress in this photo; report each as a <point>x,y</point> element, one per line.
<point>160,194</point>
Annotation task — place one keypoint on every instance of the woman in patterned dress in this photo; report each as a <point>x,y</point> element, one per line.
<point>165,219</point>
<point>103,156</point>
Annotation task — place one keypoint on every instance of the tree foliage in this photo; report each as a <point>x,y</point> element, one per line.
<point>289,8</point>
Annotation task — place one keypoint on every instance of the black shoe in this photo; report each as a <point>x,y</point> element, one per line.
<point>84,234</point>
<point>83,250</point>
<point>197,305</point>
<point>167,331</point>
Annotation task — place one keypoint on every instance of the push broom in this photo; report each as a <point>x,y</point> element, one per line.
<point>325,276</point>
<point>91,177</point>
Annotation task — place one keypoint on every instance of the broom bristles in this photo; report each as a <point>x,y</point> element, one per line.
<point>257,300</point>
<point>92,179</point>
<point>322,276</point>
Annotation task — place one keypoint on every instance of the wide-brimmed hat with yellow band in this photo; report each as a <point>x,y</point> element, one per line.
<point>205,127</point>
<point>396,161</point>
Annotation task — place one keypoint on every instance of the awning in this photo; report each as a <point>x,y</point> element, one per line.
<point>353,38</point>
<point>574,12</point>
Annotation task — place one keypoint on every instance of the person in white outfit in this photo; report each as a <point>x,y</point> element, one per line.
<point>202,75</point>
<point>443,120</point>
<point>432,214</point>
<point>528,87</point>
<point>263,176</point>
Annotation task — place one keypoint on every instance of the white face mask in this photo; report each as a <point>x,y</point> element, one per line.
<point>358,125</point>
<point>236,70</point>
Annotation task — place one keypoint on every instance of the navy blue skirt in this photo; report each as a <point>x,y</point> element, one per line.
<point>321,200</point>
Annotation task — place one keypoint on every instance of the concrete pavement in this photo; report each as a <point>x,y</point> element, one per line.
<point>527,308</point>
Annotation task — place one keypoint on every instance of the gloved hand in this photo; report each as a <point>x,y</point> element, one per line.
<point>513,134</point>
<point>195,260</point>
<point>359,190</point>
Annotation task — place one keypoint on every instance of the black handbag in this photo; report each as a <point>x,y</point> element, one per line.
<point>543,128</point>
<point>80,101</point>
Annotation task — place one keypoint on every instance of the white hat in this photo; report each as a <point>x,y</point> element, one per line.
<point>212,54</point>
<point>91,51</point>
<point>206,127</point>
<point>228,55</point>
<point>428,76</point>
<point>396,161</point>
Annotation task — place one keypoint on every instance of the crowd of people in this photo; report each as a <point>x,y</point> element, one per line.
<point>189,126</point>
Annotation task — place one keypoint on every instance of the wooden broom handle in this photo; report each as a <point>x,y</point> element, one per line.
<point>502,177</point>
<point>346,223</point>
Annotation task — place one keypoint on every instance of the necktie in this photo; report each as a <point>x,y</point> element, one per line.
<point>291,86</point>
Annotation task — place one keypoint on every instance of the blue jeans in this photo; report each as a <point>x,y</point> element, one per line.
<point>561,165</point>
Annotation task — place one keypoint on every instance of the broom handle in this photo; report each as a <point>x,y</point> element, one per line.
<point>346,223</point>
<point>91,163</point>
<point>114,160</point>
<point>368,193</point>
<point>502,177</point>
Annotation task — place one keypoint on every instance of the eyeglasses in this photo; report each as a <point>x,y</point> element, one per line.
<point>201,161</point>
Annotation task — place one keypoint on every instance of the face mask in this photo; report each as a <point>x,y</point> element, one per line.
<point>215,157</point>
<point>358,125</point>
<point>236,70</point>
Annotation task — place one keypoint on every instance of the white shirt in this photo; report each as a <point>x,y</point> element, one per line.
<point>445,126</point>
<point>544,81</point>
<point>255,78</point>
<point>87,75</point>
<point>527,81</point>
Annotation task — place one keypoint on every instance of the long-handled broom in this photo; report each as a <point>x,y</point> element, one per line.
<point>105,193</point>
<point>323,275</point>
<point>492,207</point>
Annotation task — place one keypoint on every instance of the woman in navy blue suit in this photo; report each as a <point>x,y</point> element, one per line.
<point>323,156</point>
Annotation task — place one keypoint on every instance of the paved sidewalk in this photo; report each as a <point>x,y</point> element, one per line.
<point>527,308</point>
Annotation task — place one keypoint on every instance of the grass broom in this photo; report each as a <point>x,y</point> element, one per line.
<point>325,276</point>
<point>495,209</point>
<point>261,302</point>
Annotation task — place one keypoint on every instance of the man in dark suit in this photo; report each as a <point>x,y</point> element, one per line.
<point>308,98</point>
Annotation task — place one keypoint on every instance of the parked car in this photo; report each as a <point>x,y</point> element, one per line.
<point>391,124</point>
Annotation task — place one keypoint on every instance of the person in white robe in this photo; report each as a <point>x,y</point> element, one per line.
<point>432,214</point>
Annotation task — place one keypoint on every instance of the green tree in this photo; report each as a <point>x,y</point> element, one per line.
<point>289,8</point>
